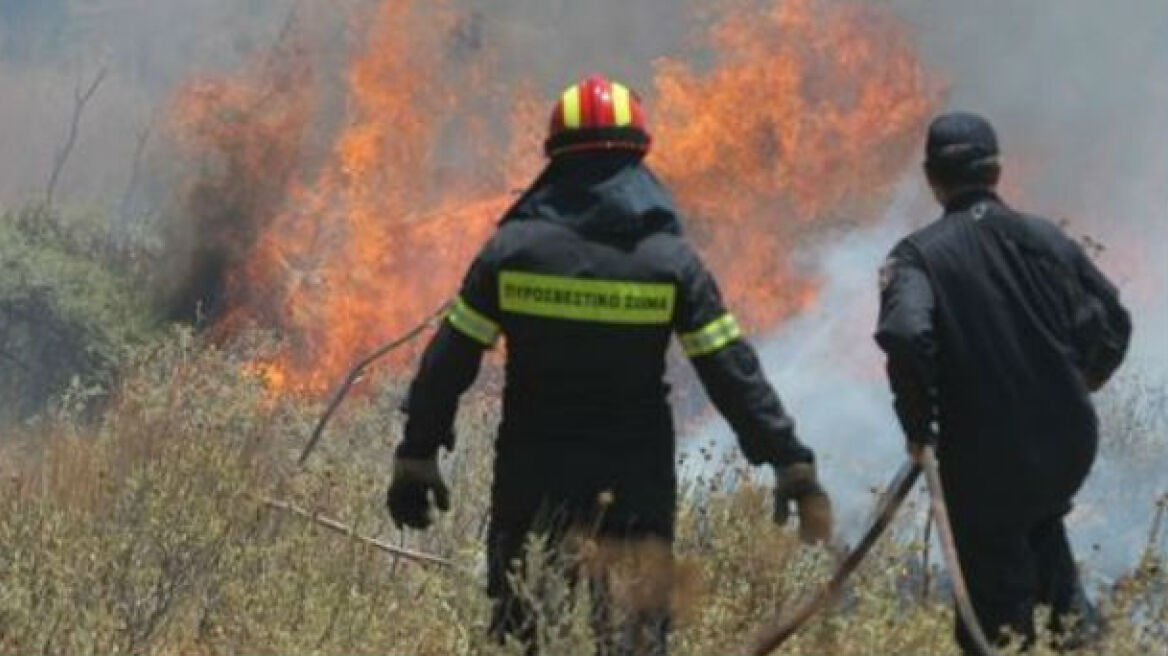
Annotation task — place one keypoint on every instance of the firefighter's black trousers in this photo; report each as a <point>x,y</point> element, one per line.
<point>562,494</point>
<point>1011,569</point>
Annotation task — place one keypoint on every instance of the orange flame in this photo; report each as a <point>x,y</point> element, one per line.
<point>809,111</point>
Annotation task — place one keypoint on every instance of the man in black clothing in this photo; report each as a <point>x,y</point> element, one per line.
<point>588,277</point>
<point>997,328</point>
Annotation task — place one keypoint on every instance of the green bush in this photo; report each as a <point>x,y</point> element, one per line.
<point>69,308</point>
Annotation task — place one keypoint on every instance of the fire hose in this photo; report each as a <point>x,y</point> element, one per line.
<point>782,628</point>
<point>902,483</point>
<point>949,550</point>
<point>358,370</point>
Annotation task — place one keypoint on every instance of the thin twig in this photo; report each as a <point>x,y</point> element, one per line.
<point>1157,522</point>
<point>355,374</point>
<point>338,527</point>
<point>286,29</point>
<point>80,100</point>
<point>143,138</point>
<point>277,56</point>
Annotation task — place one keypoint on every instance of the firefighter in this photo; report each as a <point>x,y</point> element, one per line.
<point>586,278</point>
<point>997,328</point>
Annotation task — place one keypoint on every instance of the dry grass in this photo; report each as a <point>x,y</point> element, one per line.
<point>143,533</point>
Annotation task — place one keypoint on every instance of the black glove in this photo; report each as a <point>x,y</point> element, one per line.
<point>798,484</point>
<point>409,493</point>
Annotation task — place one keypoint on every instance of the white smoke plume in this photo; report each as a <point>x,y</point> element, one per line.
<point>829,373</point>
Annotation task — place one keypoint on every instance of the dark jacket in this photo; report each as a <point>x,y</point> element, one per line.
<point>997,326</point>
<point>588,277</point>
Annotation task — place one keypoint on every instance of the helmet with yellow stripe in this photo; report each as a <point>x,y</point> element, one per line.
<point>597,114</point>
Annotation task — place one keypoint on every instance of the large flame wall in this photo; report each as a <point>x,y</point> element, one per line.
<point>802,115</point>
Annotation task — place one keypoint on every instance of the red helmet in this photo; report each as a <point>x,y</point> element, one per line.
<point>597,114</point>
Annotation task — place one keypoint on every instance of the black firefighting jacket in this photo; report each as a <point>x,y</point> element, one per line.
<point>587,278</point>
<point>997,326</point>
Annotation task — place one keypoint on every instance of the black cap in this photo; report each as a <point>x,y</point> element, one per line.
<point>961,141</point>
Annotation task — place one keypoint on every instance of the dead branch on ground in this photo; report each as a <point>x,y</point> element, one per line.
<point>338,527</point>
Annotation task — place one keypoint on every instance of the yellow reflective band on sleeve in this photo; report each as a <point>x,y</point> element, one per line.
<point>467,321</point>
<point>714,337</point>
<point>581,299</point>
<point>571,102</point>
<point>622,106</point>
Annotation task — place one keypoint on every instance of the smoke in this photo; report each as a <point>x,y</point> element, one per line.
<point>552,42</point>
<point>1077,91</point>
<point>830,374</point>
<point>47,47</point>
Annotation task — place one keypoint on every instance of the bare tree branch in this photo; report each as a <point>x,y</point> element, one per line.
<point>276,55</point>
<point>143,139</point>
<point>81,98</point>
<point>358,371</point>
<point>1157,521</point>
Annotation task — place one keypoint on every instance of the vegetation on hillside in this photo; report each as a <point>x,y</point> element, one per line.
<point>146,531</point>
<point>70,306</point>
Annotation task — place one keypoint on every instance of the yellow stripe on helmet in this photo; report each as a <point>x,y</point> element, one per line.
<point>571,102</point>
<point>622,105</point>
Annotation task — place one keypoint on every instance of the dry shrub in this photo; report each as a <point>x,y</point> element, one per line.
<point>145,533</point>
